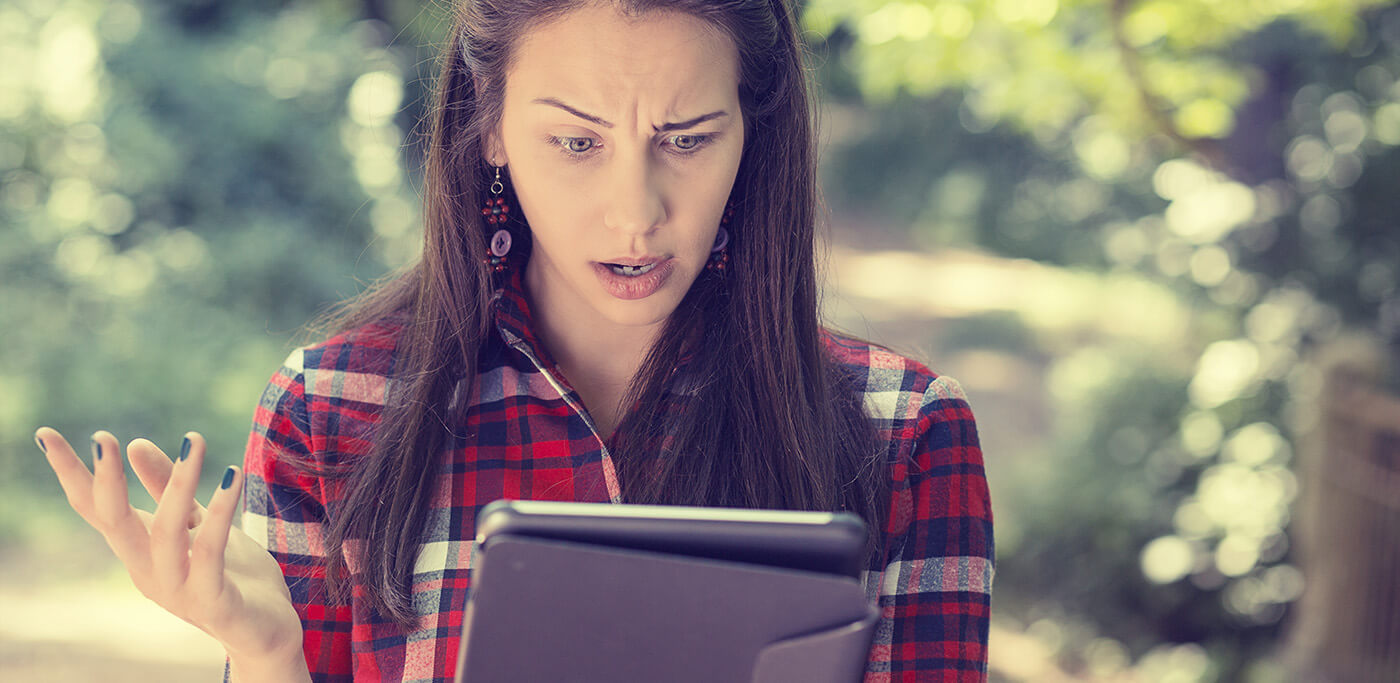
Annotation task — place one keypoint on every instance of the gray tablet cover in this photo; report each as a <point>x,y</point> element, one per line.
<point>559,611</point>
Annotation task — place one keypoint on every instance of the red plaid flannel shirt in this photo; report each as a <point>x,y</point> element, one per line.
<point>532,440</point>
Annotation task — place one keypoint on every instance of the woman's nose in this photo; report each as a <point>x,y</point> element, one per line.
<point>635,204</point>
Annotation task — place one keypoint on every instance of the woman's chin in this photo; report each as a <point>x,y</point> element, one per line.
<point>646,312</point>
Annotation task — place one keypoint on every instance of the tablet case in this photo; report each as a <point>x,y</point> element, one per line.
<point>559,611</point>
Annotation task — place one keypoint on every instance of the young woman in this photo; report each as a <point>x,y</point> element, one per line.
<point>617,302</point>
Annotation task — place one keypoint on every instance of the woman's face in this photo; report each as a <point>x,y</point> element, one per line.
<point>623,138</point>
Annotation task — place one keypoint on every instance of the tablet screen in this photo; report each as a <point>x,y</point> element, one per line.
<point>823,542</point>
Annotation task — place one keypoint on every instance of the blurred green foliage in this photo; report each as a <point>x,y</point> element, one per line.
<point>184,183</point>
<point>1046,65</point>
<point>184,186</point>
<point>1244,155</point>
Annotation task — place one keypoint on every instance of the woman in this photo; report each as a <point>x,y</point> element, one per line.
<point>616,302</point>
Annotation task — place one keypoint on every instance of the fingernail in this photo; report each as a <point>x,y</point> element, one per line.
<point>96,450</point>
<point>42,447</point>
<point>185,449</point>
<point>228,478</point>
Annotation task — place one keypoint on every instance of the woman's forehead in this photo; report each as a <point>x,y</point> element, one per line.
<point>598,59</point>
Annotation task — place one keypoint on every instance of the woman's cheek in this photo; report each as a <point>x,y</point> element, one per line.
<point>546,192</point>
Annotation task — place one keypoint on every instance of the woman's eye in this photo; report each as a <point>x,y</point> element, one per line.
<point>581,147</point>
<point>576,145</point>
<point>687,143</point>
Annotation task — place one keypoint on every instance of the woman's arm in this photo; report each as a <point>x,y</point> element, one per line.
<point>287,667</point>
<point>284,510</point>
<point>935,592</point>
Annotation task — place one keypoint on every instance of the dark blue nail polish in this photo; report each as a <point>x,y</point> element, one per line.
<point>228,478</point>
<point>96,450</point>
<point>42,447</point>
<point>185,449</point>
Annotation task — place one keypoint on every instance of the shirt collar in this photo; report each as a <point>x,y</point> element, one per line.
<point>516,325</point>
<point>515,320</point>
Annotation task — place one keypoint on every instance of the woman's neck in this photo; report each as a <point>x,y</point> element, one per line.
<point>599,358</point>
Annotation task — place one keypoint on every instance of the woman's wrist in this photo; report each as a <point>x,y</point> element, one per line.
<point>285,666</point>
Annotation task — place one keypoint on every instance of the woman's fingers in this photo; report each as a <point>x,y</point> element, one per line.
<point>202,571</point>
<point>73,475</point>
<point>153,467</point>
<point>114,516</point>
<point>170,538</point>
<point>99,496</point>
<point>207,554</point>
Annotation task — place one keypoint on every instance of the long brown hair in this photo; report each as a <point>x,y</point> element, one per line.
<point>771,422</point>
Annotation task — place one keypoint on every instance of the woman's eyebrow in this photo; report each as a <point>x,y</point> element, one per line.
<point>680,125</point>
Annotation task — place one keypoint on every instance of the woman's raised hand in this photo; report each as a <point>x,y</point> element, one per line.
<point>187,558</point>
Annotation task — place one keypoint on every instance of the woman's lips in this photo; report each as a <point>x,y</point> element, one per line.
<point>634,287</point>
<point>634,261</point>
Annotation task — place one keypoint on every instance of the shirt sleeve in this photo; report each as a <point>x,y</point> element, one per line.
<point>935,591</point>
<point>284,511</point>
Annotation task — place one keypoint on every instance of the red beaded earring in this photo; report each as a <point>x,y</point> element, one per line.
<point>496,211</point>
<point>719,254</point>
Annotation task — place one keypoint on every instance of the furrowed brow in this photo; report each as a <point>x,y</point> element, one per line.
<point>663,128</point>
<point>682,125</point>
<point>586,117</point>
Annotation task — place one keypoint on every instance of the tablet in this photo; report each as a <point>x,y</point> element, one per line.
<point>824,542</point>
<point>600,593</point>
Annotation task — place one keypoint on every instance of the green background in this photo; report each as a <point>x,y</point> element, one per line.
<point>1125,226</point>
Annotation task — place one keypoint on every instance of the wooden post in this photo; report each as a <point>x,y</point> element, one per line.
<point>1347,623</point>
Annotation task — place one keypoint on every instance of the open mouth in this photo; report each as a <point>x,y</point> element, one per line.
<point>635,278</point>
<point>630,271</point>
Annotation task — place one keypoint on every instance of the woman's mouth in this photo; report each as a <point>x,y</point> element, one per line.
<point>636,279</point>
<point>630,271</point>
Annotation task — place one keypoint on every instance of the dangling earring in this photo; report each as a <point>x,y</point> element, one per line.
<point>496,212</point>
<point>719,254</point>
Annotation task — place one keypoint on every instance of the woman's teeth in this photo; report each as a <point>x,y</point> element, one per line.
<point>631,271</point>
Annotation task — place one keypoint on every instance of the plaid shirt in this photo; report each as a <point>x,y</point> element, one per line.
<point>531,439</point>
